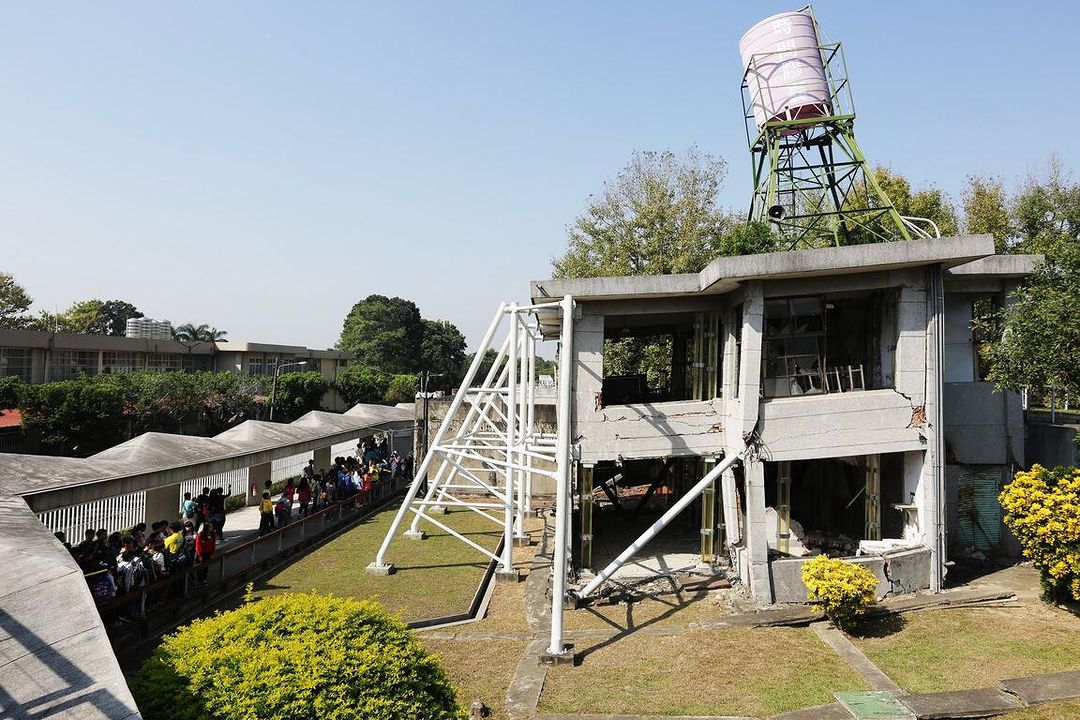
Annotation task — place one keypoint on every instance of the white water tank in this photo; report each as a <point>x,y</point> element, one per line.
<point>783,69</point>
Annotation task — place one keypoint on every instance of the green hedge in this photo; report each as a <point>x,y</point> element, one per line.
<point>292,657</point>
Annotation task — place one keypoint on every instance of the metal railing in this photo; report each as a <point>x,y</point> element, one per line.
<point>167,600</point>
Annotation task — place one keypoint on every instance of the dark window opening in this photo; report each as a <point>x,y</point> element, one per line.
<point>660,358</point>
<point>831,510</point>
<point>827,344</point>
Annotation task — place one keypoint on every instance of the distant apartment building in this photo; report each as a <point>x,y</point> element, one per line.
<point>148,329</point>
<point>36,356</point>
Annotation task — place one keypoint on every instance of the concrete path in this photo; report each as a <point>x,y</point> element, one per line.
<point>855,658</point>
<point>1045,688</point>
<point>978,703</point>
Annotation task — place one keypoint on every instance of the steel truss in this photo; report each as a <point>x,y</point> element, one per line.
<point>811,179</point>
<point>487,462</point>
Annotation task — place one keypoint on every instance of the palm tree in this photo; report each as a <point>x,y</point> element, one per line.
<point>189,332</point>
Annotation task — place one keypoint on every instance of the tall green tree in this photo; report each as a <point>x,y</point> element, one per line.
<point>14,303</point>
<point>361,384</point>
<point>86,317</point>
<point>117,313</point>
<point>442,350</point>
<point>298,393</point>
<point>660,215</point>
<point>74,417</point>
<point>986,210</point>
<point>384,332</point>
<point>1046,212</point>
<point>1040,346</point>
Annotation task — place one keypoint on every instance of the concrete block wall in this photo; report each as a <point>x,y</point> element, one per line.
<point>897,573</point>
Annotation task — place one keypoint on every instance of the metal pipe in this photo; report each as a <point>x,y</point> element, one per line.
<point>507,563</point>
<point>661,523</point>
<point>470,416</point>
<point>521,398</point>
<point>380,557</point>
<point>530,420</point>
<point>562,483</point>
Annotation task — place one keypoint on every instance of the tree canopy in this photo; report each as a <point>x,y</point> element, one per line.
<point>1039,347</point>
<point>442,350</point>
<point>392,344</point>
<point>298,393</point>
<point>190,332</point>
<point>660,215</point>
<point>117,313</point>
<point>14,303</point>
<point>91,413</point>
<point>384,332</point>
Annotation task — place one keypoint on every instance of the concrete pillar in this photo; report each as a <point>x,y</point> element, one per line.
<point>322,458</point>
<point>757,541</point>
<point>163,503</point>
<point>257,477</point>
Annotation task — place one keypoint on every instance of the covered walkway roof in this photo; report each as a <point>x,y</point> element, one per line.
<point>56,660</point>
<point>159,459</point>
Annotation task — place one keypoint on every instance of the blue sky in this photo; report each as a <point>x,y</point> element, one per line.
<point>262,166</point>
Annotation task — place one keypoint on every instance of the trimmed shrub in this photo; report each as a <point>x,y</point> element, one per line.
<point>844,589</point>
<point>295,656</point>
<point>1042,508</point>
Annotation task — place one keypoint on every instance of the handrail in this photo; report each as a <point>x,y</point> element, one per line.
<point>910,221</point>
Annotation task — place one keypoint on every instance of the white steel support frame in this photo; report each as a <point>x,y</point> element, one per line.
<point>487,464</point>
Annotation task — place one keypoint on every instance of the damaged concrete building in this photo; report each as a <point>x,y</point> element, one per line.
<point>853,370</point>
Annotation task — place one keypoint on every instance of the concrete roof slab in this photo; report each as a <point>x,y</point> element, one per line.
<point>999,266</point>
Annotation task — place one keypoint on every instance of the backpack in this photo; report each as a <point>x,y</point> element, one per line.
<point>182,558</point>
<point>100,588</point>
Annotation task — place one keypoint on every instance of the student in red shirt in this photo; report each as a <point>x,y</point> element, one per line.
<point>303,496</point>
<point>205,543</point>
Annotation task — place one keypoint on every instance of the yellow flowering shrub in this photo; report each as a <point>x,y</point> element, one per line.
<point>1042,508</point>
<point>843,588</point>
<point>295,656</point>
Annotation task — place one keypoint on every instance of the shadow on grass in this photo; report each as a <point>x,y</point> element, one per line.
<point>877,627</point>
<point>673,607</point>
<point>402,568</point>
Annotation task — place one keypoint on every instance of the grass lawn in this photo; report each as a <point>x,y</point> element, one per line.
<point>737,671</point>
<point>434,578</point>
<point>957,649</point>
<point>479,669</point>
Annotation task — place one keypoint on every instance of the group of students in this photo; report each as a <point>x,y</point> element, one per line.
<point>363,478</point>
<point>124,563</point>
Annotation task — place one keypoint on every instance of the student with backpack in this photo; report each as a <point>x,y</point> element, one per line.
<point>266,514</point>
<point>188,508</point>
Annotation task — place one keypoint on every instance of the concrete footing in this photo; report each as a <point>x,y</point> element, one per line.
<point>508,576</point>
<point>566,657</point>
<point>523,541</point>
<point>376,569</point>
<point>436,510</point>
<point>415,535</point>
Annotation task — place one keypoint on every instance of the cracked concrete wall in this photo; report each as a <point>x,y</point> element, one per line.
<point>899,572</point>
<point>650,430</point>
<point>839,425</point>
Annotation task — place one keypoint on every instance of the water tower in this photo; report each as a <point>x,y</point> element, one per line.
<point>810,176</point>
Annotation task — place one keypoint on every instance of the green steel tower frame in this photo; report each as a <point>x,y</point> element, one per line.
<point>811,180</point>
